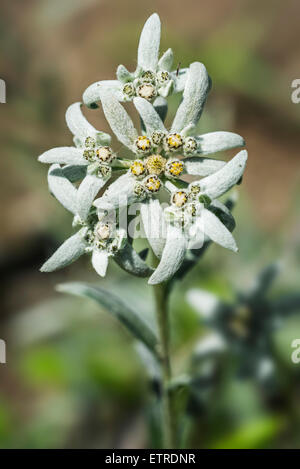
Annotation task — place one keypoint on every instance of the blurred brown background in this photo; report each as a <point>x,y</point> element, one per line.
<point>67,382</point>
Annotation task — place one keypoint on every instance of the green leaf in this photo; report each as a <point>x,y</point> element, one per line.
<point>132,320</point>
<point>255,434</point>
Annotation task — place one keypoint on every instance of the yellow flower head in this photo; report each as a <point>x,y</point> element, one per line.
<point>175,168</point>
<point>143,143</point>
<point>155,164</point>
<point>137,168</point>
<point>179,198</point>
<point>105,154</point>
<point>174,141</point>
<point>152,183</point>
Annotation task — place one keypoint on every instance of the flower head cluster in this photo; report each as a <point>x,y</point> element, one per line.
<point>161,162</point>
<point>153,77</point>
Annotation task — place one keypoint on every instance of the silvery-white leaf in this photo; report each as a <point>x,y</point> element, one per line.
<point>63,155</point>
<point>194,97</point>
<point>118,194</point>
<point>160,105</point>
<point>67,253</point>
<point>119,120</point>
<point>78,124</point>
<point>91,96</point>
<point>78,143</point>
<point>166,61</point>
<point>218,141</point>
<point>150,117</point>
<point>134,321</point>
<point>199,166</point>
<point>149,44</point>
<point>86,193</point>
<point>154,225</point>
<point>123,74</point>
<point>224,179</point>
<point>172,256</point>
<point>100,261</point>
<point>170,186</point>
<point>214,228</point>
<point>166,89</point>
<point>129,260</point>
<point>62,188</point>
<point>74,172</point>
<point>179,79</point>
<point>196,236</point>
<point>188,130</point>
<point>102,138</point>
<point>204,302</point>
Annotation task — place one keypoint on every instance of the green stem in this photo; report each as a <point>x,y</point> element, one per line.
<point>168,414</point>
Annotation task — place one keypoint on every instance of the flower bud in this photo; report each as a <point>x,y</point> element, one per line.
<point>157,138</point>
<point>128,90</point>
<point>148,76</point>
<point>190,145</point>
<point>90,142</point>
<point>89,154</point>
<point>163,77</point>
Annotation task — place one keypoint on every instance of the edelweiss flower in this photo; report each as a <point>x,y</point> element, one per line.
<point>101,238</point>
<point>190,216</point>
<point>91,159</point>
<point>161,155</point>
<point>152,78</point>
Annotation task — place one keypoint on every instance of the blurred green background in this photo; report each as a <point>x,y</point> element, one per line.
<point>72,377</point>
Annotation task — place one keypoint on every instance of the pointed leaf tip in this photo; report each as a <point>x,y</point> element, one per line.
<point>149,43</point>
